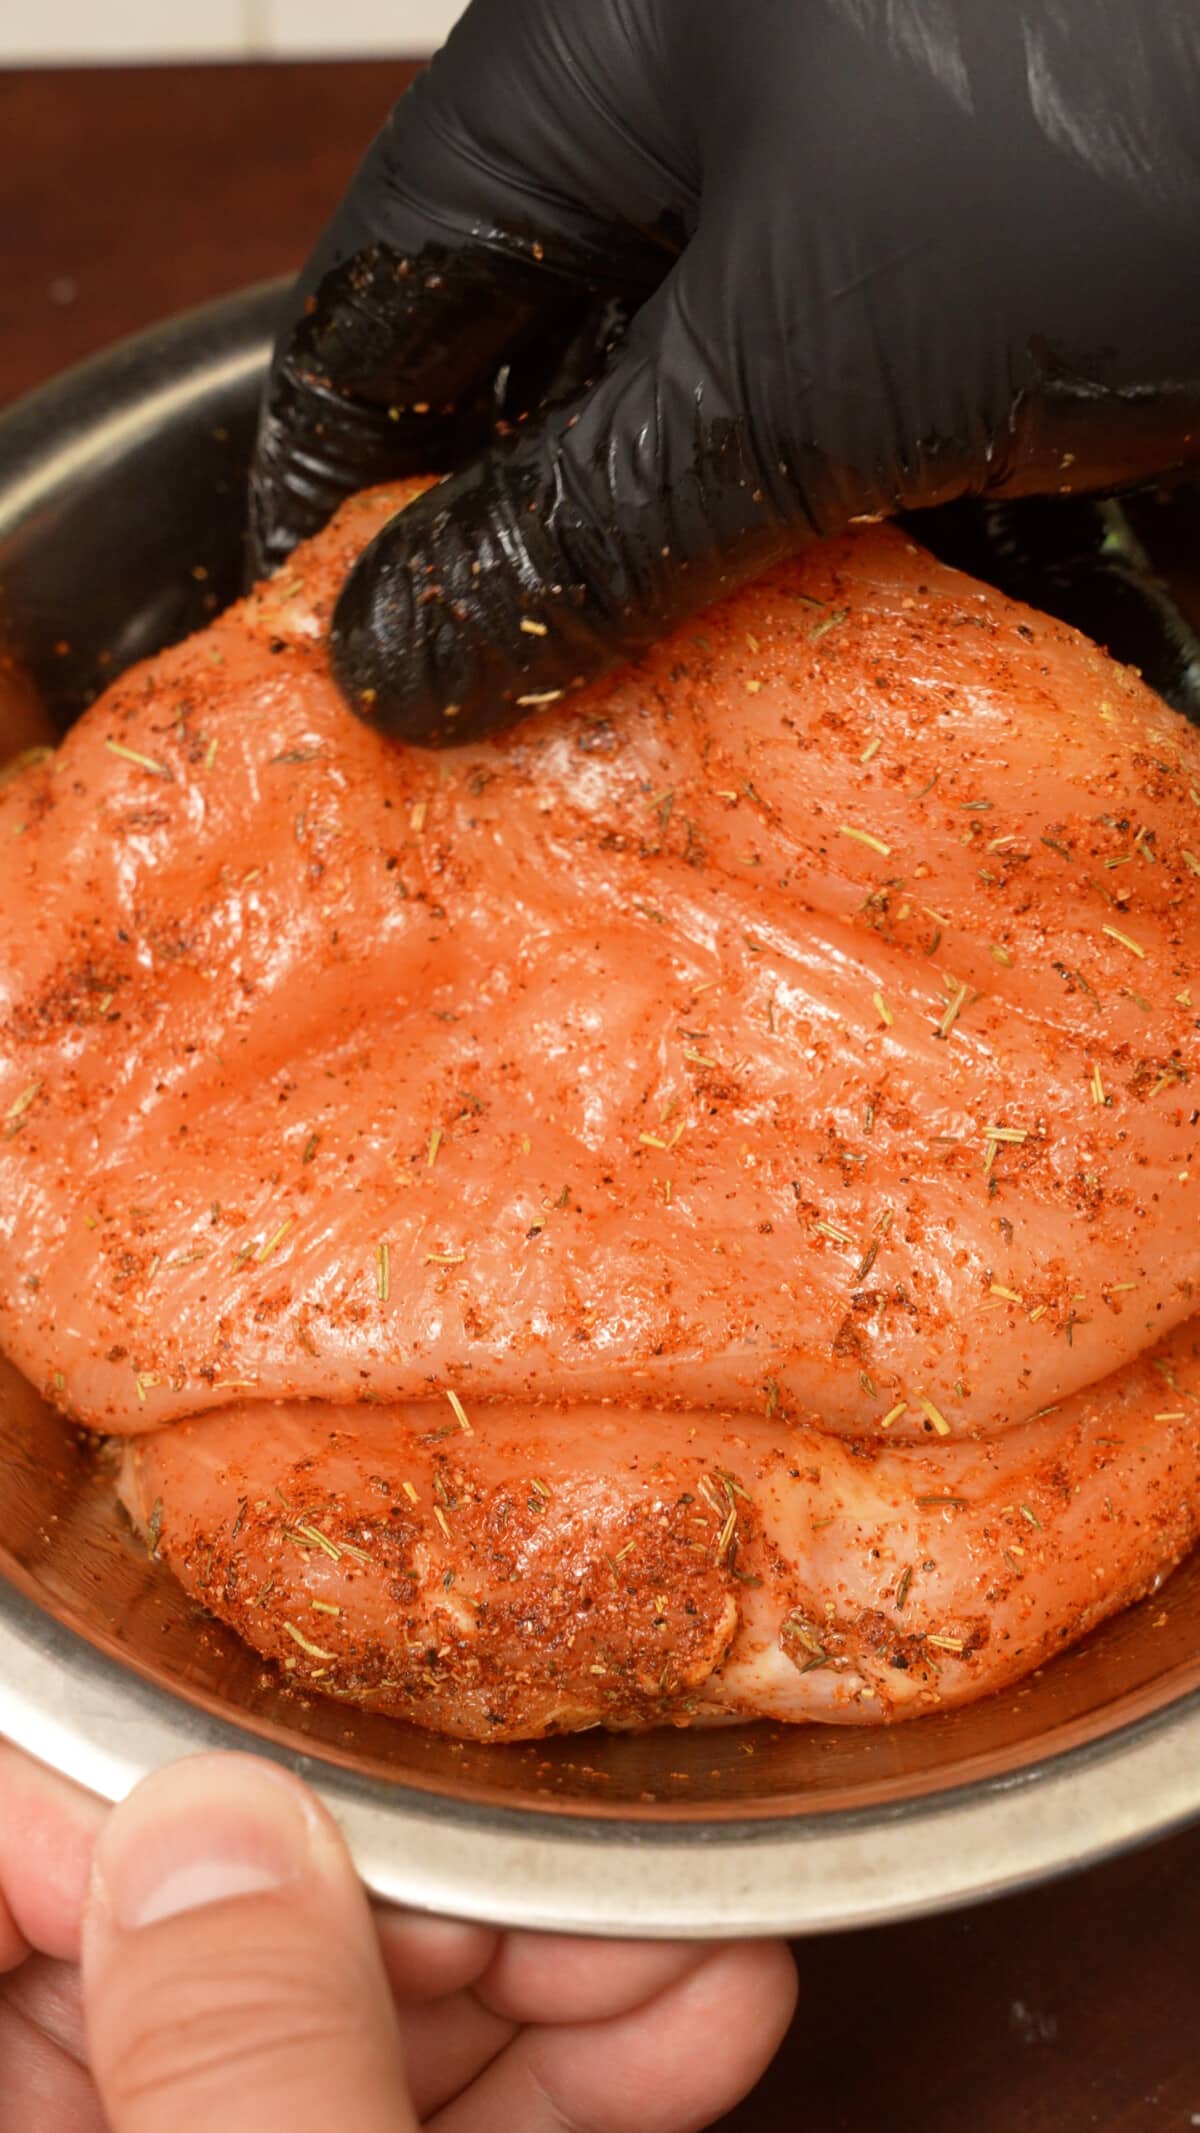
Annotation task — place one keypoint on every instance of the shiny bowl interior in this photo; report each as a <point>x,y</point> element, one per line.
<point>120,505</point>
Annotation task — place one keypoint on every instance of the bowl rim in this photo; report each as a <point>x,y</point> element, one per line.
<point>106,1726</point>
<point>78,1710</point>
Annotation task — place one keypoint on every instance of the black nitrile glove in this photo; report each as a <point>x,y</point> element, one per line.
<point>843,257</point>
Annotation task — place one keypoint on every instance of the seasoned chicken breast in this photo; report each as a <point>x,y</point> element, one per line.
<point>744,1113</point>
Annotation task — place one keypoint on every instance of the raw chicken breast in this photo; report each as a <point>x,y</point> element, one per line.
<point>787,1041</point>
<point>548,1569</point>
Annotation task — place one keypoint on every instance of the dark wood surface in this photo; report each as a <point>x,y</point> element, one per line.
<point>125,195</point>
<point>128,194</point>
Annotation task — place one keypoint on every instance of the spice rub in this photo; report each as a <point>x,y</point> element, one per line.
<point>790,1040</point>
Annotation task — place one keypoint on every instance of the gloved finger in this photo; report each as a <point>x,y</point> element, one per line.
<point>231,1972</point>
<point>569,547</point>
<point>672,2064</point>
<point>47,1831</point>
<point>408,360</point>
<point>471,240</point>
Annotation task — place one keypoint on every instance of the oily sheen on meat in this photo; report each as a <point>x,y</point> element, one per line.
<point>686,1209</point>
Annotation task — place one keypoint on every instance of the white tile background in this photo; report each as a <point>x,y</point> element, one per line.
<point>74,32</point>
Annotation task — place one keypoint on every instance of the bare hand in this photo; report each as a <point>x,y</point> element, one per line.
<point>235,1978</point>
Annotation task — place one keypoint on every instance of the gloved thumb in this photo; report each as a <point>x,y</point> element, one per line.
<point>231,1975</point>
<point>605,520</point>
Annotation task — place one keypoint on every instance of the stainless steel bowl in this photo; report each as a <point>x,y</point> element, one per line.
<point>117,484</point>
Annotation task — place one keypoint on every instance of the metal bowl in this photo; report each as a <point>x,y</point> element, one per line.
<point>120,509</point>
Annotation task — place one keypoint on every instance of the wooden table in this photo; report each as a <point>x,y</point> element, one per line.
<point>127,195</point>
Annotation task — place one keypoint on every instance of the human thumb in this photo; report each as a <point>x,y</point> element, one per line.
<point>231,1977</point>
<point>603,521</point>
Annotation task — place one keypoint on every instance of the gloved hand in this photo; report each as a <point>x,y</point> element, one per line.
<point>870,255</point>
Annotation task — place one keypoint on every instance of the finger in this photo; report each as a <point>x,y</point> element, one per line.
<point>672,2065</point>
<point>48,1828</point>
<point>448,2044</point>
<point>47,1996</point>
<point>231,1973</point>
<point>476,229</point>
<point>429,1958</point>
<point>13,1945</point>
<point>44,2085</point>
<point>550,1977</point>
<point>448,2036</point>
<point>568,548</point>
